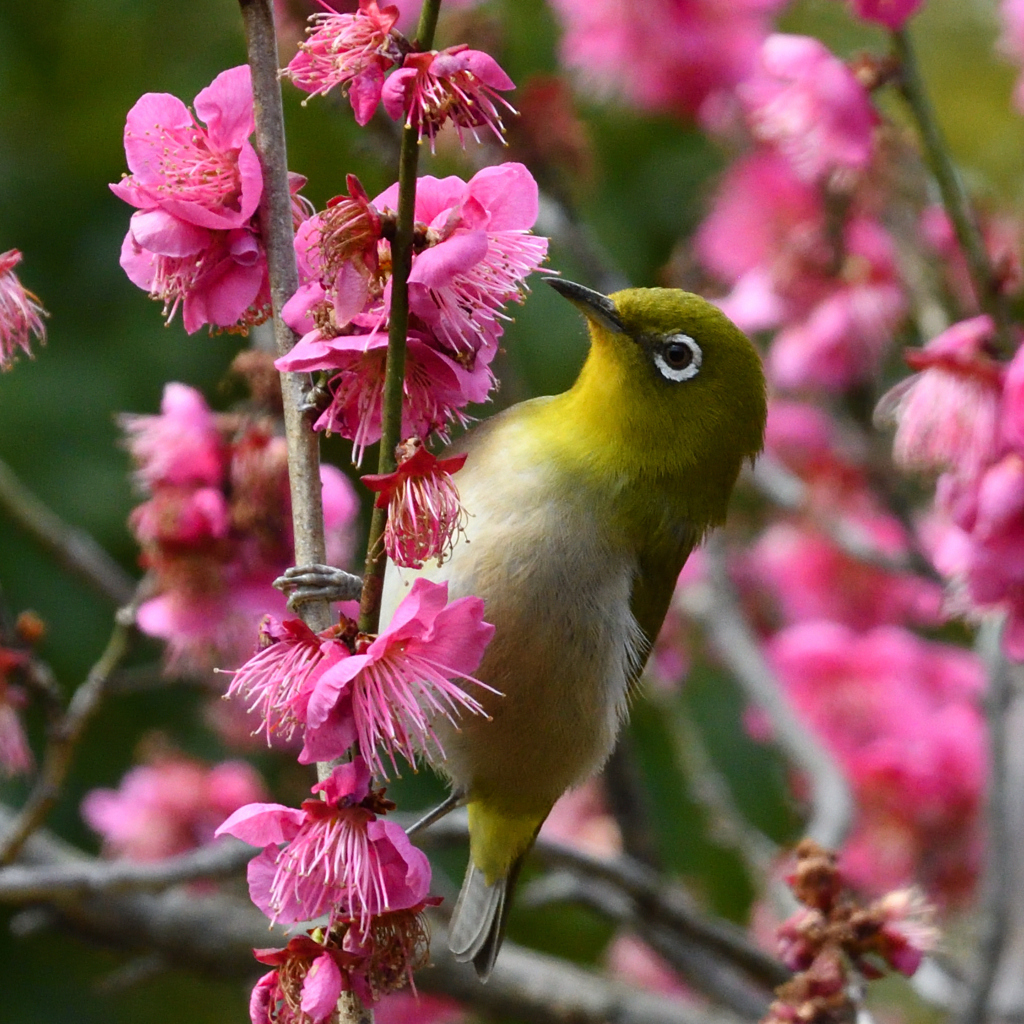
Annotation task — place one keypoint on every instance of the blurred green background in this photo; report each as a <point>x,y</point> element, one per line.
<point>69,71</point>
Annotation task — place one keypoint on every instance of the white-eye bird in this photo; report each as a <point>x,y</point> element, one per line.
<point>583,508</point>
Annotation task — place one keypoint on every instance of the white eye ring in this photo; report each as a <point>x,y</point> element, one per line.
<point>678,373</point>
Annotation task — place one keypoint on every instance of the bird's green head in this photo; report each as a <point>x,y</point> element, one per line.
<point>671,386</point>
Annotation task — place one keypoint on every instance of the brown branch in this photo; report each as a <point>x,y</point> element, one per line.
<point>73,880</point>
<point>64,737</point>
<point>76,550</point>
<point>215,935</point>
<point>718,610</point>
<point>278,237</point>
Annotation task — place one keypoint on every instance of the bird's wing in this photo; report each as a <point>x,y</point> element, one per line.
<point>658,569</point>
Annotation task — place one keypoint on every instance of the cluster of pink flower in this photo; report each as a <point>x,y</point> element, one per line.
<point>473,252</point>
<point>963,414</point>
<point>168,805</point>
<point>21,315</point>
<point>682,56</point>
<point>194,240</point>
<point>899,713</point>
<point>215,529</point>
<point>428,89</point>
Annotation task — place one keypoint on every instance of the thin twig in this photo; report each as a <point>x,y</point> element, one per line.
<point>73,880</point>
<point>954,196</point>
<point>629,803</point>
<point>75,549</point>
<point>64,737</point>
<point>995,909</point>
<point>398,326</point>
<point>718,610</point>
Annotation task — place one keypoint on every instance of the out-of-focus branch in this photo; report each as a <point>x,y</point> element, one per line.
<point>75,549</point>
<point>727,824</point>
<point>72,880</point>
<point>718,610</point>
<point>278,237</point>
<point>64,737</point>
<point>215,935</point>
<point>954,196</point>
<point>652,895</point>
<point>702,969</point>
<point>998,885</point>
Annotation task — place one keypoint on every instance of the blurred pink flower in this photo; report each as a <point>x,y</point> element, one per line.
<point>457,84</point>
<point>581,818</point>
<point>181,445</point>
<point>169,806</point>
<point>15,753</point>
<point>394,684</point>
<point>631,960</point>
<point>900,714</point>
<point>425,515</point>
<point>893,14</point>
<point>810,106</point>
<point>216,529</point>
<point>841,339</point>
<point>339,858</point>
<point>947,414</point>
<point>663,55</point>
<point>21,315</point>
<point>418,1008</point>
<point>808,576</point>
<point>350,50</point>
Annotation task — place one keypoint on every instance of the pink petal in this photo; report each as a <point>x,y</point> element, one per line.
<point>435,267</point>
<point>263,824</point>
<point>365,92</point>
<point>161,233</point>
<point>226,107</point>
<point>510,195</point>
<point>321,988</point>
<point>141,144</point>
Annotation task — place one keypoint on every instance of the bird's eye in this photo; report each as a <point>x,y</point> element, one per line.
<point>678,358</point>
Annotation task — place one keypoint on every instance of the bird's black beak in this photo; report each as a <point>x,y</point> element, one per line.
<point>597,308</point>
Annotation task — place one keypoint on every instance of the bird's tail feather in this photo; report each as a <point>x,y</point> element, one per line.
<point>480,916</point>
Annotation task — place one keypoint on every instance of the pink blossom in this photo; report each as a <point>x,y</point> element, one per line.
<point>193,241</point>
<point>482,252</point>
<point>348,50</point>
<point>290,656</point>
<point>900,715</point>
<point>893,14</point>
<point>15,753</point>
<point>947,415</point>
<point>663,55</point>
<point>809,105</point>
<point>169,806</point>
<point>458,85</point>
<point>1011,413</point>
<point>425,515</point>
<point>418,1008</point>
<point>475,255</point>
<point>21,314</point>
<point>396,683</point>
<point>339,858</point>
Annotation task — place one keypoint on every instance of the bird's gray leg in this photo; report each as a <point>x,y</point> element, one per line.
<point>304,583</point>
<point>450,802</point>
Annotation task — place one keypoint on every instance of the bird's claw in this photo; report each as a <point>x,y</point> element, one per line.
<point>306,583</point>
